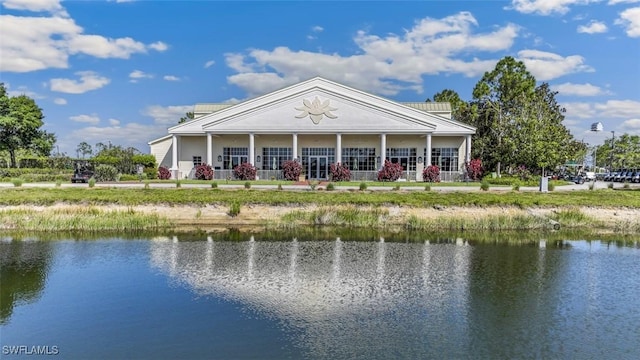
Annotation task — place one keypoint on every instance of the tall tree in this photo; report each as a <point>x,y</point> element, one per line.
<point>187,117</point>
<point>20,123</point>
<point>84,148</point>
<point>499,95</point>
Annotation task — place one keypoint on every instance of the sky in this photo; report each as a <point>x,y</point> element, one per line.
<point>122,72</point>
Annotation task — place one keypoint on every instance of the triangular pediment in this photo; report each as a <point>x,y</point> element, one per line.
<point>320,106</point>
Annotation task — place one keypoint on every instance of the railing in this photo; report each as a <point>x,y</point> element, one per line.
<point>445,176</point>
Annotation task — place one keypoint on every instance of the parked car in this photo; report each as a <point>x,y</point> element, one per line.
<point>82,172</point>
<point>619,176</point>
<point>577,179</point>
<point>636,177</point>
<point>590,176</point>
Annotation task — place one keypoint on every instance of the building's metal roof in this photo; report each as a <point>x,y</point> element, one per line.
<point>430,106</point>
<point>208,108</point>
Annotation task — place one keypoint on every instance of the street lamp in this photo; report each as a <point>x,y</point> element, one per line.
<point>596,127</point>
<point>613,141</point>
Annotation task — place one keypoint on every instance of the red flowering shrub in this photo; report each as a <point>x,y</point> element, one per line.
<point>431,174</point>
<point>339,172</point>
<point>390,171</point>
<point>244,171</point>
<point>164,173</point>
<point>204,172</point>
<point>474,169</point>
<point>291,170</point>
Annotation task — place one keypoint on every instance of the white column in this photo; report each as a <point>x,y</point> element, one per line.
<point>252,150</point>
<point>174,156</point>
<point>209,150</point>
<point>339,148</point>
<point>383,149</point>
<point>295,146</point>
<point>467,152</point>
<point>427,160</point>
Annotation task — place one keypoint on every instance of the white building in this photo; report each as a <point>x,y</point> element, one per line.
<point>317,122</point>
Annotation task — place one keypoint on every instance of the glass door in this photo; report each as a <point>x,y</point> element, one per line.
<point>318,167</point>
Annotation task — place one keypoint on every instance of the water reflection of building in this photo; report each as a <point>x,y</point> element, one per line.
<point>330,290</point>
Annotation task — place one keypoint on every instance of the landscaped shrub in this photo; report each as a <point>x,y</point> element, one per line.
<point>390,171</point>
<point>330,187</point>
<point>214,185</point>
<point>150,172</point>
<point>244,171</point>
<point>484,185</point>
<point>106,173</point>
<point>363,186</point>
<point>291,170</point>
<point>204,172</point>
<point>339,172</point>
<point>247,185</point>
<point>474,169</point>
<point>17,182</point>
<point>234,209</point>
<point>523,173</point>
<point>164,173</point>
<point>431,174</point>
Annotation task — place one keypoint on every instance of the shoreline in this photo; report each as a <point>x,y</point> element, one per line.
<point>603,219</point>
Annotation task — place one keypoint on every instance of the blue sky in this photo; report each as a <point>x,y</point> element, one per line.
<point>125,71</point>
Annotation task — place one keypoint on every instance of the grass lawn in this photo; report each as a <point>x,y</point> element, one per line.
<point>203,196</point>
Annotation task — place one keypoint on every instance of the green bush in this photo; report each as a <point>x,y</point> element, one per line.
<point>484,185</point>
<point>234,209</point>
<point>150,172</point>
<point>610,185</point>
<point>106,173</point>
<point>129,177</point>
<point>330,187</point>
<point>551,186</point>
<point>146,184</point>
<point>58,183</point>
<point>178,183</point>
<point>92,182</point>
<point>214,185</point>
<point>363,186</point>
<point>247,185</point>
<point>280,187</point>
<point>17,182</point>
<point>516,186</point>
<point>427,188</point>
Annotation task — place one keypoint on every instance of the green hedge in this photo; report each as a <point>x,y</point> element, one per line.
<point>35,175</point>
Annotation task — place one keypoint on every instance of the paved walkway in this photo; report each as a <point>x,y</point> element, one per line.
<point>303,187</point>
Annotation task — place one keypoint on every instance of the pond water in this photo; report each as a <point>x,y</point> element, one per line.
<point>202,297</point>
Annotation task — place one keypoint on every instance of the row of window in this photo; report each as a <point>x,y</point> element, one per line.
<point>356,159</point>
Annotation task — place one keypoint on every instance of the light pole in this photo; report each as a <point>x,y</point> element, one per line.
<point>613,147</point>
<point>596,127</point>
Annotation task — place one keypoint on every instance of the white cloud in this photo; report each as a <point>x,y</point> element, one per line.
<point>546,66</point>
<point>546,7</point>
<point>89,119</point>
<point>159,46</point>
<point>618,108</point>
<point>614,2</point>
<point>580,110</point>
<point>317,29</point>
<point>31,43</point>
<point>385,64</point>
<point>60,101</point>
<point>594,27</point>
<point>114,122</point>
<point>89,80</point>
<point>171,78</point>
<point>167,115</point>
<point>209,64</point>
<point>50,6</point>
<point>23,90</point>
<point>579,89</point>
<point>135,75</point>
<point>631,125</point>
<point>630,19</point>
<point>131,134</point>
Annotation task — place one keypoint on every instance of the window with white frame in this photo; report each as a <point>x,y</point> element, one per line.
<point>233,157</point>
<point>445,158</point>
<point>273,158</point>
<point>197,161</point>
<point>403,156</point>
<point>359,159</point>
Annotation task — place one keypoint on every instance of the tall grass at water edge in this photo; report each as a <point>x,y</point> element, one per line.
<point>89,219</point>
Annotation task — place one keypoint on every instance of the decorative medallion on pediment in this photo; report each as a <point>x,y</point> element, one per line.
<point>316,110</point>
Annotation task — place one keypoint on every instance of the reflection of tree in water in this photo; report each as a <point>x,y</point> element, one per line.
<point>23,273</point>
